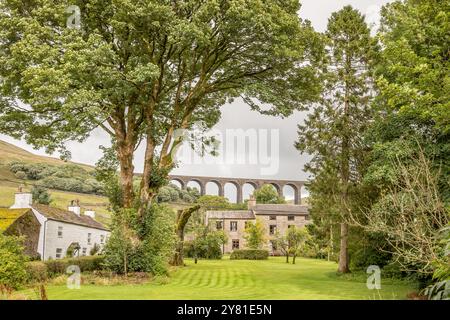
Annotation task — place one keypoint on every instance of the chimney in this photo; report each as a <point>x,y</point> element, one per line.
<point>90,213</point>
<point>22,200</point>
<point>75,207</point>
<point>251,202</point>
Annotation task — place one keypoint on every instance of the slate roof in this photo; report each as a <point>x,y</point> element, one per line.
<point>280,209</point>
<point>229,214</point>
<point>259,209</point>
<point>68,217</point>
<point>8,216</point>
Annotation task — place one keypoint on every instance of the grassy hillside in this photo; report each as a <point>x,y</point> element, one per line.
<point>9,183</point>
<point>9,153</point>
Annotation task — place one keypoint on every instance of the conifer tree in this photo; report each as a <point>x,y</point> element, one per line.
<point>332,132</point>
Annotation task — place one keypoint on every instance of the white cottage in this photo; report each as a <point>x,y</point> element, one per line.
<point>60,229</point>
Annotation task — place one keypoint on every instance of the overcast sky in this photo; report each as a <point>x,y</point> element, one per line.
<point>281,161</point>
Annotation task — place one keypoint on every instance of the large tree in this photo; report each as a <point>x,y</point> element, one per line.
<point>331,132</point>
<point>141,70</point>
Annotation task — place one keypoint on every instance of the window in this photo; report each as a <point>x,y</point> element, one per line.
<point>235,244</point>
<point>84,252</point>
<point>272,229</point>
<point>58,253</point>
<point>60,232</point>
<point>291,218</point>
<point>219,225</point>
<point>102,239</point>
<point>233,225</point>
<point>247,224</point>
<point>307,217</point>
<point>272,217</point>
<point>89,238</point>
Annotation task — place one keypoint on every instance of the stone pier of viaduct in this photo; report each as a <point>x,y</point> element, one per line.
<point>239,183</point>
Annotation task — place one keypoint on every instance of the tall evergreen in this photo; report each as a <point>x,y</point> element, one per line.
<point>331,132</point>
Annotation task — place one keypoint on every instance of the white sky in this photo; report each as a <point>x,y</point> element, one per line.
<point>288,164</point>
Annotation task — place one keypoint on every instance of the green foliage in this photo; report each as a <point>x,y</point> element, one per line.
<point>207,245</point>
<point>249,254</point>
<point>68,177</point>
<point>41,195</point>
<point>88,263</point>
<point>36,271</point>
<point>95,249</point>
<point>12,262</point>
<point>331,132</point>
<point>297,238</point>
<point>255,234</point>
<point>211,202</point>
<point>365,257</point>
<point>268,194</point>
<point>141,246</point>
<point>177,66</point>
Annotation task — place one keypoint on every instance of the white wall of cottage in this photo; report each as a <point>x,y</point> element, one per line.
<point>70,233</point>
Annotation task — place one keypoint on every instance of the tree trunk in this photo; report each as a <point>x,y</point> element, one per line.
<point>293,258</point>
<point>287,257</point>
<point>182,219</point>
<point>343,254</point>
<point>331,249</point>
<point>125,153</point>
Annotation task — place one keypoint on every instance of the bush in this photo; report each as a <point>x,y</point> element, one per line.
<point>21,175</point>
<point>92,263</point>
<point>41,195</point>
<point>136,246</point>
<point>366,257</point>
<point>249,254</point>
<point>211,251</point>
<point>36,271</point>
<point>12,262</point>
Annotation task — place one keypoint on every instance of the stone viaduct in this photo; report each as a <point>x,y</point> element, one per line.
<point>239,183</point>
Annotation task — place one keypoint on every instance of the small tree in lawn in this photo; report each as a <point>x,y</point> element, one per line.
<point>296,237</point>
<point>282,244</point>
<point>255,234</point>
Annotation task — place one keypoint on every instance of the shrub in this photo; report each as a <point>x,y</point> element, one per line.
<point>41,195</point>
<point>136,246</point>
<point>95,249</point>
<point>366,257</point>
<point>249,254</point>
<point>204,250</point>
<point>21,175</point>
<point>36,271</point>
<point>90,263</point>
<point>12,262</point>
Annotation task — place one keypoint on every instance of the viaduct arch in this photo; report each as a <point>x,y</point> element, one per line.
<point>239,183</point>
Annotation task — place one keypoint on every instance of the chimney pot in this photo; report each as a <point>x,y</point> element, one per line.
<point>251,202</point>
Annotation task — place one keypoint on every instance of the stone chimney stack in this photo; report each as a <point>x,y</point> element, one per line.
<point>251,203</point>
<point>22,200</point>
<point>75,207</point>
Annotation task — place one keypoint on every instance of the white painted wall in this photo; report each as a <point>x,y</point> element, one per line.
<point>70,233</point>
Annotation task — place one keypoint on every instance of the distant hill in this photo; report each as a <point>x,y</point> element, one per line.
<point>9,153</point>
<point>9,182</point>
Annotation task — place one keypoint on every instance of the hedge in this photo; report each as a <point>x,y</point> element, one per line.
<point>40,271</point>
<point>249,254</point>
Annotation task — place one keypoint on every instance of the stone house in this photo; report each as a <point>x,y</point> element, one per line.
<point>49,231</point>
<point>276,218</point>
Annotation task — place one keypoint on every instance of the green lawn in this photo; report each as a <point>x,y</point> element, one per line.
<point>231,279</point>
